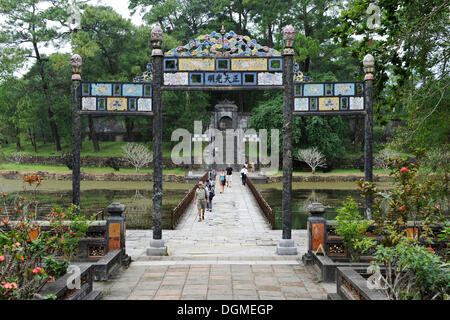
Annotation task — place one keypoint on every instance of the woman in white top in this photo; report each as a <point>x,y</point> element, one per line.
<point>244,173</point>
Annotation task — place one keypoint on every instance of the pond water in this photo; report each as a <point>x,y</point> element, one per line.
<point>97,195</point>
<point>331,194</point>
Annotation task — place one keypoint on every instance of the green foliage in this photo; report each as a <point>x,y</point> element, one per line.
<point>413,272</point>
<point>410,199</point>
<point>55,267</point>
<point>352,227</point>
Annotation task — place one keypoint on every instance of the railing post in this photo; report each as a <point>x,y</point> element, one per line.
<point>316,231</point>
<point>116,231</point>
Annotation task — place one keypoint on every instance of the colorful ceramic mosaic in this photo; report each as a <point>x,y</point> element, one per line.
<point>301,104</point>
<point>196,64</point>
<point>313,90</point>
<point>132,90</point>
<point>328,104</point>
<point>232,45</point>
<point>89,103</point>
<point>356,103</point>
<point>249,64</point>
<point>116,104</point>
<point>344,89</point>
<point>101,89</point>
<point>145,104</point>
<point>174,79</point>
<point>267,78</point>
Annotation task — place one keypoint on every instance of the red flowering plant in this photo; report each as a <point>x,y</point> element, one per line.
<point>31,254</point>
<point>411,199</point>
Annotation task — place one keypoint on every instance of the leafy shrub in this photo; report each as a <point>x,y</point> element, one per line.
<point>114,163</point>
<point>413,271</point>
<point>352,227</point>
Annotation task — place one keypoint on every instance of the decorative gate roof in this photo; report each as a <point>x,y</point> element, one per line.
<point>230,45</point>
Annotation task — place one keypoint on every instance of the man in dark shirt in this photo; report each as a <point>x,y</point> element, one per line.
<point>229,170</point>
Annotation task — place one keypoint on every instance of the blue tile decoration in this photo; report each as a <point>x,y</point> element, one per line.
<point>223,78</point>
<point>274,60</point>
<point>344,89</point>
<point>221,61</point>
<point>132,90</point>
<point>313,90</point>
<point>148,90</point>
<point>101,104</point>
<point>167,64</point>
<point>194,75</point>
<point>101,89</point>
<point>249,83</point>
<point>86,89</point>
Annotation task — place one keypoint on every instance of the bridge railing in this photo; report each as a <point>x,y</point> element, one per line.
<point>267,210</point>
<point>179,210</point>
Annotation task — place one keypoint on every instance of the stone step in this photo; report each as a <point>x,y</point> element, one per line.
<point>94,295</point>
<point>333,296</point>
<point>295,258</point>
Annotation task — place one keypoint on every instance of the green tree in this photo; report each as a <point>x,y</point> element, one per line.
<point>27,23</point>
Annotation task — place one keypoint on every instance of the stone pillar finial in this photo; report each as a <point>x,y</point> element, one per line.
<point>76,62</point>
<point>289,35</point>
<point>369,66</point>
<point>156,41</point>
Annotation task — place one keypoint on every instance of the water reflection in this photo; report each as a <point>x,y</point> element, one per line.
<point>330,194</point>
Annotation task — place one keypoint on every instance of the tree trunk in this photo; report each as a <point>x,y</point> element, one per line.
<point>18,145</point>
<point>53,127</point>
<point>269,34</point>
<point>356,135</point>
<point>129,126</point>
<point>93,134</point>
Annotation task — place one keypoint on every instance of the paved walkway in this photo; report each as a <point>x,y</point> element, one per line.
<point>229,255</point>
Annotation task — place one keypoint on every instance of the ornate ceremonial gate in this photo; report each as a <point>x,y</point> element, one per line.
<point>220,61</point>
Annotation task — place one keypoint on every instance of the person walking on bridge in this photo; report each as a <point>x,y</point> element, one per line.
<point>213,177</point>
<point>244,173</point>
<point>229,170</point>
<point>201,199</point>
<point>210,188</point>
<point>222,181</point>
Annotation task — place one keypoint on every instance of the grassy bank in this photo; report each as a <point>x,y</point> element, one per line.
<point>54,168</point>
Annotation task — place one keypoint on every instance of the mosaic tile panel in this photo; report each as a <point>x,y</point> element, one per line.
<point>267,79</point>
<point>196,64</point>
<point>328,104</point>
<point>116,104</point>
<point>101,89</point>
<point>313,90</point>
<point>356,103</point>
<point>248,64</point>
<point>344,89</point>
<point>145,104</point>
<point>301,104</point>
<point>132,90</point>
<point>89,103</point>
<point>176,79</point>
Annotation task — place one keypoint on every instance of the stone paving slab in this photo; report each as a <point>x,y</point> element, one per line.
<point>231,255</point>
<point>256,286</point>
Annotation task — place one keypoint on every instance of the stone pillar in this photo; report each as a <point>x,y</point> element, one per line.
<point>287,245</point>
<point>369,63</point>
<point>316,231</point>
<point>157,246</point>
<point>76,62</point>
<point>116,231</point>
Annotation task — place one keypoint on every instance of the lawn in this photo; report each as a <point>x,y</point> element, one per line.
<point>335,171</point>
<point>107,149</point>
<point>54,168</point>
